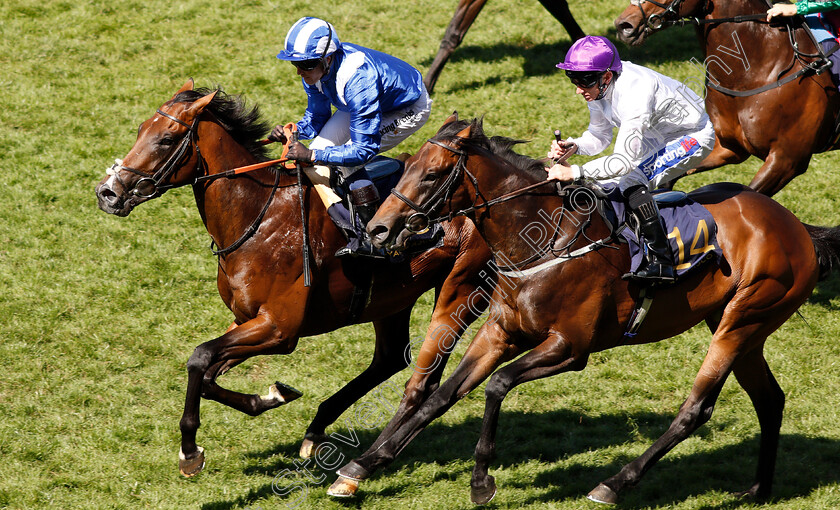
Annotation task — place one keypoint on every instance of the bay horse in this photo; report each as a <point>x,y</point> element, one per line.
<point>558,304</point>
<point>199,133</point>
<point>762,93</point>
<point>465,14</point>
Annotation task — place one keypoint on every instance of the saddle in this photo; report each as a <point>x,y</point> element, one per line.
<point>690,227</point>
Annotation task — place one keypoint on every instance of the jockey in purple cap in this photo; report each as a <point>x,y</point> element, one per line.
<point>663,131</point>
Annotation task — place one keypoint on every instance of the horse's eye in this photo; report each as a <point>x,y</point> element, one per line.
<point>431,177</point>
<point>166,141</point>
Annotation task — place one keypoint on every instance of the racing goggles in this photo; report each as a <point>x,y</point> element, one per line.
<point>306,65</point>
<point>585,79</point>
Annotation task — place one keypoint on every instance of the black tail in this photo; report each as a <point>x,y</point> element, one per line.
<point>827,244</point>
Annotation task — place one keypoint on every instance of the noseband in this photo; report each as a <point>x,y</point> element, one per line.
<point>149,186</point>
<point>658,20</point>
<point>420,222</point>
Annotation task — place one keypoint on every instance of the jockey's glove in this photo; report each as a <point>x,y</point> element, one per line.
<point>299,152</point>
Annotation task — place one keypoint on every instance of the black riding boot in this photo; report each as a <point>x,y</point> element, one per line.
<point>364,200</point>
<point>659,267</point>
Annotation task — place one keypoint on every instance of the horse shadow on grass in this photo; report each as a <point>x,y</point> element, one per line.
<point>558,438</point>
<point>676,45</point>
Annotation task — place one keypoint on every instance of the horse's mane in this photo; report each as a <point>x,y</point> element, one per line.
<point>499,146</point>
<point>243,124</point>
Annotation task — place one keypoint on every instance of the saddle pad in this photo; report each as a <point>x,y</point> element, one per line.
<point>691,230</point>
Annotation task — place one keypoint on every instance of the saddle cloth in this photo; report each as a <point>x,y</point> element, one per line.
<point>692,232</point>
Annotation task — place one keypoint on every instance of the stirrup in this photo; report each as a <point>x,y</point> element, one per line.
<point>653,273</point>
<point>362,249</point>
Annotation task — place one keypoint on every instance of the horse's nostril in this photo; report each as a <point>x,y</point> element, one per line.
<point>378,232</point>
<point>624,28</point>
<point>107,195</point>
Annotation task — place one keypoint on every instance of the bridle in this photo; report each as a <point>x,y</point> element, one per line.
<point>421,221</point>
<point>155,187</point>
<point>671,17</point>
<point>150,185</point>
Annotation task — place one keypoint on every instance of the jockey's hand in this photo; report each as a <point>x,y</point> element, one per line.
<point>277,135</point>
<point>299,152</point>
<point>561,150</point>
<point>561,172</point>
<point>781,10</point>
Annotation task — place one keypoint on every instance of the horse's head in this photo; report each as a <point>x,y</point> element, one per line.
<point>164,156</point>
<point>430,187</point>
<point>643,17</point>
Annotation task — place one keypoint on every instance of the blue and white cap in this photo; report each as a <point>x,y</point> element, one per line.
<point>309,38</point>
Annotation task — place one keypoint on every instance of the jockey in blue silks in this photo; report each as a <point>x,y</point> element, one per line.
<point>379,101</point>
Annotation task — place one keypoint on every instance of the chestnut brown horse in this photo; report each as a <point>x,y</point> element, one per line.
<point>465,14</point>
<point>201,133</point>
<point>762,94</point>
<point>569,300</point>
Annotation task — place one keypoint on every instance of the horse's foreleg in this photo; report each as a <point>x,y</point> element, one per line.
<point>255,337</point>
<point>779,169</point>
<point>753,374</point>
<point>551,357</point>
<point>560,10</point>
<point>392,335</point>
<point>490,348</point>
<point>250,404</point>
<point>461,299</point>
<point>465,14</point>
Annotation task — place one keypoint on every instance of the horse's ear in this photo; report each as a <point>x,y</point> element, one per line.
<point>452,118</point>
<point>189,85</point>
<point>198,105</point>
<point>465,133</point>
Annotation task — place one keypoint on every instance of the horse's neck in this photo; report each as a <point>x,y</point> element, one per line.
<point>229,206</point>
<point>516,229</point>
<point>746,54</point>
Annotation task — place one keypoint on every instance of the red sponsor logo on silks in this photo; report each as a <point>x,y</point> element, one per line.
<point>687,143</point>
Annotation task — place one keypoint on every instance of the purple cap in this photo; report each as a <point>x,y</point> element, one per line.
<point>592,53</point>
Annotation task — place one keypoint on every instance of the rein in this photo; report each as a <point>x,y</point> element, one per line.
<point>562,254</point>
<point>444,193</point>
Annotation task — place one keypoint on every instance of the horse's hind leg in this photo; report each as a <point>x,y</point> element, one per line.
<point>560,10</point>
<point>694,412</point>
<point>464,17</point>
<point>753,374</point>
<point>392,336</point>
<point>551,357</point>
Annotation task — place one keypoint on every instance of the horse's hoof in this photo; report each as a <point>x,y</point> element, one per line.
<point>354,471</point>
<point>283,393</point>
<point>484,494</point>
<point>310,444</point>
<point>603,494</point>
<point>343,488</point>
<point>193,466</point>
